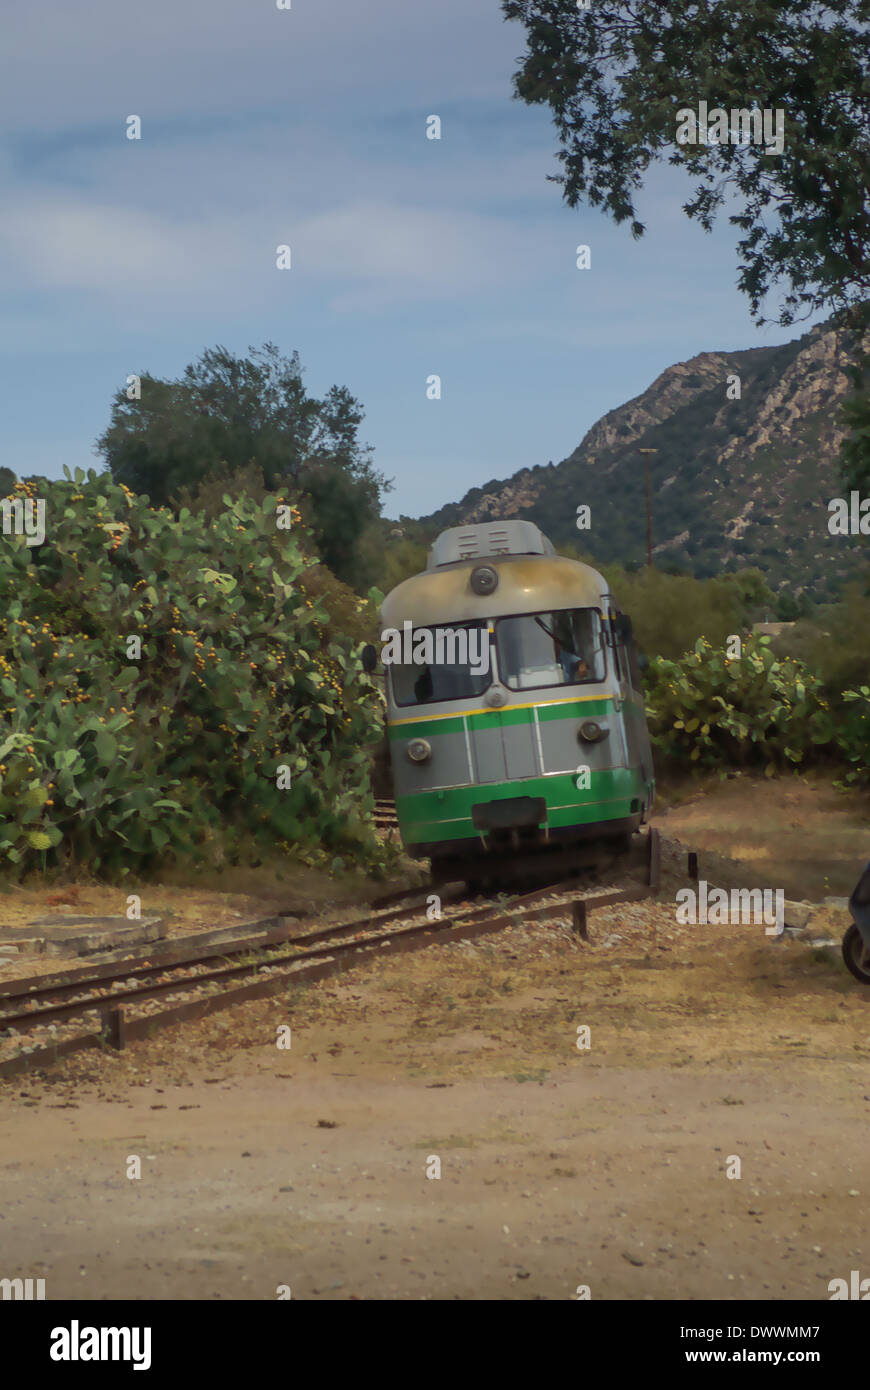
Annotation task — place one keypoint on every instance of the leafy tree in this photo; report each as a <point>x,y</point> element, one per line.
<point>752,593</point>
<point>7,481</point>
<point>111,757</point>
<point>402,557</point>
<point>337,505</point>
<point>790,607</point>
<point>207,497</point>
<point>227,415</point>
<point>615,76</point>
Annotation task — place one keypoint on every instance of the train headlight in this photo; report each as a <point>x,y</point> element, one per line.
<point>484,579</point>
<point>419,750</point>
<point>590,732</point>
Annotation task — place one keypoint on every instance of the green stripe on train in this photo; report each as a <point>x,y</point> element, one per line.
<point>427,817</point>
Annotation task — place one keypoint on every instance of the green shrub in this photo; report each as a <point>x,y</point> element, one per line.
<point>112,761</point>
<point>853,734</point>
<point>711,710</point>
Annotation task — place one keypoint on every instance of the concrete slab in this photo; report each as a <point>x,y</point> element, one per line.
<point>80,936</point>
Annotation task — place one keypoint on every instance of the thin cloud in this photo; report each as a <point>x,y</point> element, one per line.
<point>404,253</point>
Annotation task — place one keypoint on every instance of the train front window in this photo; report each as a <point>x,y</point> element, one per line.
<point>538,650</point>
<point>446,663</point>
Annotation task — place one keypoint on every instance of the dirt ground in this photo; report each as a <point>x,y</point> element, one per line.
<point>605,1167</point>
<point>798,833</point>
<point>232,897</point>
<point>560,1168</point>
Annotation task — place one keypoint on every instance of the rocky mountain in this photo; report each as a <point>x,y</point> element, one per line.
<point>745,462</point>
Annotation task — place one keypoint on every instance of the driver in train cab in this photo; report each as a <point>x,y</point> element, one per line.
<point>574,666</point>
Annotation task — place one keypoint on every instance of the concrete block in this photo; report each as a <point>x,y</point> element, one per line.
<point>81,936</point>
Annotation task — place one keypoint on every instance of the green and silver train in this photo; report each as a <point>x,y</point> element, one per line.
<point>515,714</point>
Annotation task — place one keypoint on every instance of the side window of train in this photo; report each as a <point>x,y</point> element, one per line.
<point>619,663</point>
<point>626,652</point>
<point>634,668</point>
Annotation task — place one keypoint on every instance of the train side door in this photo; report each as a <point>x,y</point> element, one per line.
<point>620,629</point>
<point>634,706</point>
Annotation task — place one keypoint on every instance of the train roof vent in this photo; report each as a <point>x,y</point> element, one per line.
<point>491,538</point>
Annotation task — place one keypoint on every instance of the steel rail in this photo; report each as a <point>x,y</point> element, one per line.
<point>266,932</point>
<point>118,1029</point>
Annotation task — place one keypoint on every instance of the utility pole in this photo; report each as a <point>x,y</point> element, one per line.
<point>646,453</point>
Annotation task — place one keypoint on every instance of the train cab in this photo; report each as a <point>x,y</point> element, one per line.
<point>515,714</point>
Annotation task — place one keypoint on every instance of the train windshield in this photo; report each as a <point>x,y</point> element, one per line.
<point>538,650</point>
<point>442,663</point>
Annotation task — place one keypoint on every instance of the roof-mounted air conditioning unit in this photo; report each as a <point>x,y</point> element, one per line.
<point>487,540</point>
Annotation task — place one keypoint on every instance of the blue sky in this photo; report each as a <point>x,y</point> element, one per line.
<point>410,256</point>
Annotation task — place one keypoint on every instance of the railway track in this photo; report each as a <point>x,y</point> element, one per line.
<point>201,979</point>
<point>385,817</point>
